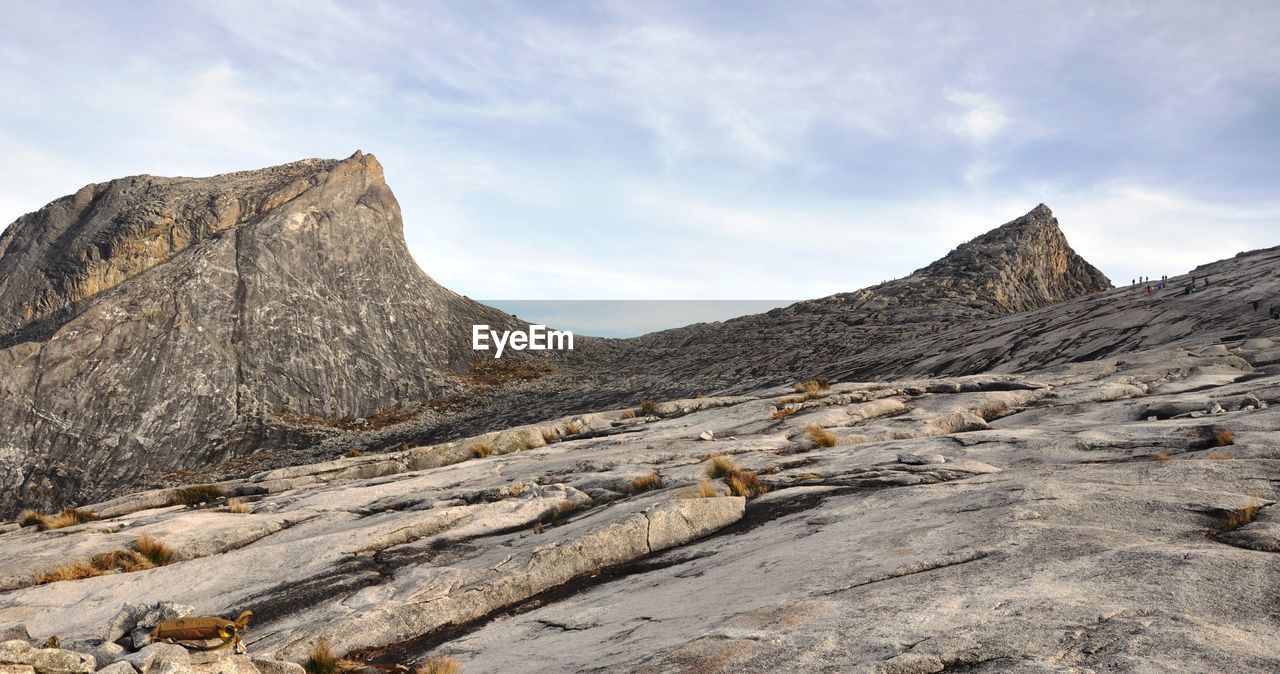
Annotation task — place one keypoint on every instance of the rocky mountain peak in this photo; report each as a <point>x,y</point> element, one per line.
<point>1023,264</point>
<point>57,258</point>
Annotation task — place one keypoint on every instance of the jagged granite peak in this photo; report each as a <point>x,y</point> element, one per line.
<point>1021,265</point>
<point>161,324</point>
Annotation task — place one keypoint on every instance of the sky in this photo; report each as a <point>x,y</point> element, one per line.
<point>685,150</point>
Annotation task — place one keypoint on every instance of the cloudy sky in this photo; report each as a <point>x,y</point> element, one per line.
<point>684,150</point>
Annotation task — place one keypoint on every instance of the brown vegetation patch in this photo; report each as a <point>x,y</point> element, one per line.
<point>239,506</point>
<point>646,483</point>
<point>67,518</point>
<point>649,408</point>
<point>1219,456</point>
<point>1225,437</point>
<point>195,494</point>
<point>154,550</point>
<point>1238,518</point>
<point>1160,456</point>
<point>703,490</point>
<point>496,373</point>
<point>439,666</point>
<point>483,449</point>
<point>811,386</point>
<point>741,482</point>
<point>821,436</point>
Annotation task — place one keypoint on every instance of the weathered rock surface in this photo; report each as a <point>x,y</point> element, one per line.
<point>1061,529</point>
<point>151,324</point>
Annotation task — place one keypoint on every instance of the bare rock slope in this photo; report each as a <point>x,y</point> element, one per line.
<point>173,323</point>
<point>1109,515</point>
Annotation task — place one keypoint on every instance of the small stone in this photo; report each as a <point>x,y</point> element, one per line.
<point>706,435</point>
<point>147,658</point>
<point>919,459</point>
<point>1153,418</point>
<point>266,666</point>
<point>120,667</point>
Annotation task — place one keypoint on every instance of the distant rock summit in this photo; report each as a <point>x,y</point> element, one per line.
<point>151,324</point>
<point>887,329</point>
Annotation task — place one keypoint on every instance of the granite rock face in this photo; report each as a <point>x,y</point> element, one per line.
<point>152,324</point>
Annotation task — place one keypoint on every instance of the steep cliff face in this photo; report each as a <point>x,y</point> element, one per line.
<point>167,323</point>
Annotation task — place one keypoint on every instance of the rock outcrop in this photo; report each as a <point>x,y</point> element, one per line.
<point>153,324</point>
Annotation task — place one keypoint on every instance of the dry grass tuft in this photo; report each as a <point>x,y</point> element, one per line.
<point>745,483</point>
<point>1160,456</point>
<point>439,666</point>
<point>741,482</point>
<point>1219,456</point>
<point>821,436</point>
<point>195,494</point>
<point>550,436</point>
<point>1225,437</point>
<point>120,561</point>
<point>353,453</point>
<point>721,466</point>
<point>1238,518</point>
<point>812,386</point>
<point>321,659</point>
<point>646,483</point>
<point>70,571</point>
<point>782,412</point>
<point>67,518</point>
<point>703,490</point>
<point>239,506</point>
<point>154,550</point>
<point>573,428</point>
<point>629,414</point>
<point>482,449</point>
<point>564,509</point>
<point>649,408</point>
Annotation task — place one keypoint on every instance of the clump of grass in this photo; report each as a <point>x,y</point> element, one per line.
<point>195,494</point>
<point>69,571</point>
<point>550,436</point>
<point>1238,518</point>
<point>154,550</point>
<point>562,509</point>
<point>703,490</point>
<point>67,518</point>
<point>119,561</point>
<point>741,482</point>
<point>782,412</point>
<point>1160,456</point>
<point>629,414</point>
<point>353,453</point>
<point>1225,437</point>
<point>439,666</point>
<point>745,483</point>
<point>1219,456</point>
<point>811,386</point>
<point>821,436</point>
<point>537,527</point>
<point>482,449</point>
<point>239,506</point>
<point>648,407</point>
<point>646,483</point>
<point>721,466</point>
<point>321,660</point>
<point>573,428</point>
